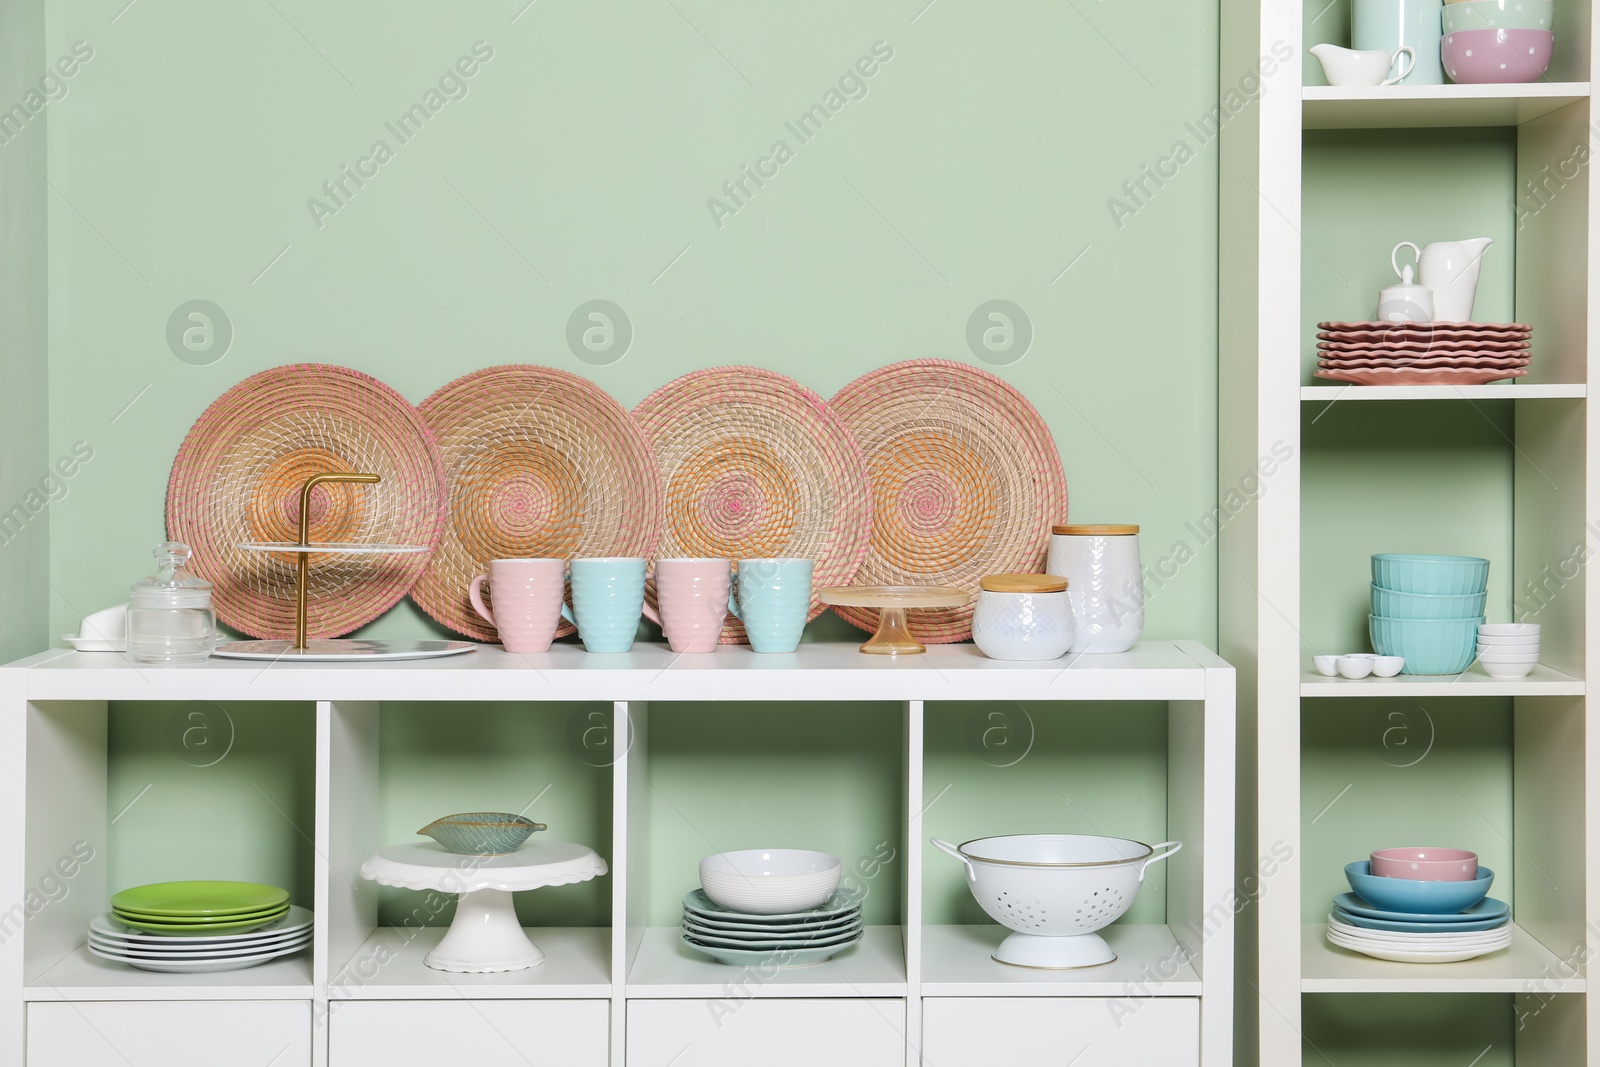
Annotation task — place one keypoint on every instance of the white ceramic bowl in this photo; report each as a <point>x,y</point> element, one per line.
<point>1354,666</point>
<point>1327,666</point>
<point>1508,642</point>
<point>1506,670</point>
<point>770,881</point>
<point>1492,655</point>
<point>1509,629</point>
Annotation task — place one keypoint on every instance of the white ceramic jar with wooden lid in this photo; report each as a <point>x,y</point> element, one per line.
<point>1105,584</point>
<point>1022,617</point>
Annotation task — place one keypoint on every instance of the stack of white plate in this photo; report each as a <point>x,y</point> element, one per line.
<point>199,954</point>
<point>1442,947</point>
<point>794,939</point>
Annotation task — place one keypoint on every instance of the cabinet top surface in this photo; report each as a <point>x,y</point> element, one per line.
<point>1154,670</point>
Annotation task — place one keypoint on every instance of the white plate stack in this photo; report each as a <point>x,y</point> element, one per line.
<point>200,954</point>
<point>1420,947</point>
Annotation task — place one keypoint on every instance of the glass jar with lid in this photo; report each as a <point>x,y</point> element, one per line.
<point>170,618</point>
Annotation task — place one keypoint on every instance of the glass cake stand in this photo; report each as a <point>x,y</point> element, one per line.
<point>894,637</point>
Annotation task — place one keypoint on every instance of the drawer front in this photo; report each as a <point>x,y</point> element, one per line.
<point>169,1034</point>
<point>1051,1031</point>
<point>772,1033</point>
<point>483,1033</point>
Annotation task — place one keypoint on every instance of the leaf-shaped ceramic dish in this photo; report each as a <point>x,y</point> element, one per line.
<point>481,833</point>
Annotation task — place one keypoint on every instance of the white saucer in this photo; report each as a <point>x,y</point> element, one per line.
<point>94,644</point>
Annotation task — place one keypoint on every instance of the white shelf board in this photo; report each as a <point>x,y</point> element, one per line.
<point>956,962</point>
<point>1154,670</point>
<point>576,966</point>
<point>1526,965</point>
<point>1328,107</point>
<point>83,976</point>
<point>1473,682</point>
<point>1343,393</point>
<point>667,968</point>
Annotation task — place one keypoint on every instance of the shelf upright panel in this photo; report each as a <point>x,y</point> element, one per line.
<point>630,836</point>
<point>13,868</point>
<point>912,775</point>
<point>1259,189</point>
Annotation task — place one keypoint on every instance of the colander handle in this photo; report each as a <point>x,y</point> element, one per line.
<point>945,846</point>
<point>1157,856</point>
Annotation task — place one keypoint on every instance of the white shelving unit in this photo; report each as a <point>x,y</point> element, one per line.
<point>1265,401</point>
<point>630,994</point>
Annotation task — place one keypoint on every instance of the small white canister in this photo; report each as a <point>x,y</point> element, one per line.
<point>1105,584</point>
<point>1022,617</point>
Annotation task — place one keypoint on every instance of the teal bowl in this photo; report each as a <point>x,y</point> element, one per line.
<point>1415,897</point>
<point>1430,575</point>
<point>1430,646</point>
<point>1500,15</point>
<point>1389,603</point>
<point>481,833</point>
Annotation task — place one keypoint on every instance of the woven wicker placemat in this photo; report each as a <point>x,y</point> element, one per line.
<point>758,466</point>
<point>237,479</point>
<point>967,482</point>
<point>541,464</point>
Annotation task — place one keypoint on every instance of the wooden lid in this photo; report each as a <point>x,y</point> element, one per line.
<point>1094,531</point>
<point>1023,583</point>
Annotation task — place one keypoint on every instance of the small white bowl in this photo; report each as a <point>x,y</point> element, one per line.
<point>1325,665</point>
<point>1508,642</point>
<point>1358,666</point>
<point>1496,656</point>
<point>770,881</point>
<point>1387,666</point>
<point>1506,670</point>
<point>1509,629</point>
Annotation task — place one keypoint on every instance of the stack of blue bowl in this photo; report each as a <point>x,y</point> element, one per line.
<point>1427,609</point>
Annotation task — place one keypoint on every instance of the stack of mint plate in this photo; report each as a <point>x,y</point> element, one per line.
<point>199,926</point>
<point>795,939</point>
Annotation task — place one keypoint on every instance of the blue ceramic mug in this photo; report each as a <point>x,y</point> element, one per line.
<point>772,597</point>
<point>607,601</point>
<point>1387,24</point>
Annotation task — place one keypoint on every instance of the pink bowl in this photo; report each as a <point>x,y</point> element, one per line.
<point>1426,864</point>
<point>1496,57</point>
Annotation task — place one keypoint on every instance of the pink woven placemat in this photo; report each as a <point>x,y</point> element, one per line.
<point>758,466</point>
<point>237,479</point>
<point>541,464</point>
<point>967,482</point>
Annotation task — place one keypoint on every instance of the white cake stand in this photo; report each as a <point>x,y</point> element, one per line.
<point>485,936</point>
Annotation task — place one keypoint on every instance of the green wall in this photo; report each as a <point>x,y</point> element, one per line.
<point>578,166</point>
<point>29,486</point>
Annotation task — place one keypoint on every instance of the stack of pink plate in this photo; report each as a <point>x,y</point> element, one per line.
<point>1421,353</point>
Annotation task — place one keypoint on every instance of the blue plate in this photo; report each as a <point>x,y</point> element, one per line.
<point>1488,908</point>
<point>1418,928</point>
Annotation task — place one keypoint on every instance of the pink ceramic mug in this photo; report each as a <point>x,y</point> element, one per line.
<point>527,595</point>
<point>692,602</point>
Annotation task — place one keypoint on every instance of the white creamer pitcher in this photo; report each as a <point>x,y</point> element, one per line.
<point>1450,269</point>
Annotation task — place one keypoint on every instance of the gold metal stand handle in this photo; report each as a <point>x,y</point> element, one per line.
<point>304,565</point>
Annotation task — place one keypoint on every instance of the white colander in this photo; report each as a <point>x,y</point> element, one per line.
<point>1055,891</point>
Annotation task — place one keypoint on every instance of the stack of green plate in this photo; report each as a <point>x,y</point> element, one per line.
<point>190,908</point>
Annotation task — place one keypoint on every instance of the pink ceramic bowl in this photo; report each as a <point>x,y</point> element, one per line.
<point>1426,864</point>
<point>1496,57</point>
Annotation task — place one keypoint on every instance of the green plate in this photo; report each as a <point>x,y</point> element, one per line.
<point>200,920</point>
<point>199,898</point>
<point>196,929</point>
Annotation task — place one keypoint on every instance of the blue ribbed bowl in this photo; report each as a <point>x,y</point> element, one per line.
<point>1432,575</point>
<point>1392,604</point>
<point>1416,897</point>
<point>1430,646</point>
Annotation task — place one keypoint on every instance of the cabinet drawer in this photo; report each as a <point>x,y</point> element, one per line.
<point>484,1033</point>
<point>1040,1031</point>
<point>169,1033</point>
<point>772,1033</point>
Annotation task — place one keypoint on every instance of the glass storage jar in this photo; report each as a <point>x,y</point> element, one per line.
<point>170,618</point>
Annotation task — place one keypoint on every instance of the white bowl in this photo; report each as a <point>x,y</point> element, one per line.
<point>770,881</point>
<point>1509,629</point>
<point>1509,642</point>
<point>1492,656</point>
<point>1325,665</point>
<point>1387,666</point>
<point>1355,666</point>
<point>1506,670</point>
